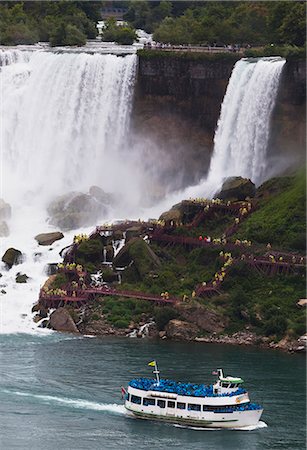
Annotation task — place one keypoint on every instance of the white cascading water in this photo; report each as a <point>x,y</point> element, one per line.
<point>64,119</point>
<point>64,122</point>
<point>242,134</point>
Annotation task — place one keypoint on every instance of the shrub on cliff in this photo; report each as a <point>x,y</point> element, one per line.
<point>120,312</point>
<point>89,252</point>
<point>164,315</point>
<point>287,51</point>
<point>280,218</point>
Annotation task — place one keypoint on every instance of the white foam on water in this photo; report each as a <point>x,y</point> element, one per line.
<point>73,403</point>
<point>258,426</point>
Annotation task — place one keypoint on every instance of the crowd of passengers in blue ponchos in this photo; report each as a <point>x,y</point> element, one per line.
<point>174,387</point>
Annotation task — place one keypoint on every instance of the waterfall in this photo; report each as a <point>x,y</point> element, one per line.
<point>241,138</point>
<point>64,123</point>
<point>242,133</point>
<point>13,56</point>
<point>65,127</point>
<point>64,119</point>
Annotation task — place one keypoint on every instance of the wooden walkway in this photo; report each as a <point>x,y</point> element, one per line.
<point>271,263</point>
<point>80,297</point>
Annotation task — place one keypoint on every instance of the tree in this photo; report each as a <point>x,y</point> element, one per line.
<point>73,36</point>
<point>67,35</point>
<point>17,34</point>
<point>124,34</point>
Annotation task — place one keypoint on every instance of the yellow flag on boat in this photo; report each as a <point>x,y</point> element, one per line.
<point>152,363</point>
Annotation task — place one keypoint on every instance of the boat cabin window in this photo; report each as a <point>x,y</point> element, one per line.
<point>180,405</point>
<point>128,397</point>
<point>171,404</point>
<point>136,399</point>
<point>233,385</point>
<point>161,403</point>
<point>192,407</point>
<point>149,401</point>
<point>225,385</point>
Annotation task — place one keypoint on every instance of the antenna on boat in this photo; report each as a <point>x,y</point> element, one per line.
<point>156,371</point>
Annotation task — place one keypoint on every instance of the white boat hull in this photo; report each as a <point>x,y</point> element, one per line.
<point>238,419</point>
<point>208,419</point>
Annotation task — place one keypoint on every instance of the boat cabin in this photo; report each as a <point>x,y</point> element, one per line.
<point>226,385</point>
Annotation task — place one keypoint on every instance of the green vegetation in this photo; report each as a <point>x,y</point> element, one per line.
<point>59,281</point>
<point>281,23</point>
<point>122,34</point>
<point>253,23</point>
<point>180,271</point>
<point>267,304</point>
<point>89,254</point>
<point>191,56</point>
<point>286,51</point>
<point>60,23</point>
<point>281,215</point>
<point>196,22</point>
<point>120,312</point>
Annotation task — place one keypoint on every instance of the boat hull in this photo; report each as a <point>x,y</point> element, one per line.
<point>237,419</point>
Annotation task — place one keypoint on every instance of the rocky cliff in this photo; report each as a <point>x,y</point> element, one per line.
<point>177,106</point>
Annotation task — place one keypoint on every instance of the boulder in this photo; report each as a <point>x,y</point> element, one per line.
<point>49,281</point>
<point>75,210</point>
<point>117,235</point>
<point>138,252</point>
<point>101,196</point>
<point>21,278</point>
<point>61,320</point>
<point>207,320</point>
<point>133,232</point>
<point>51,269</point>
<point>4,229</point>
<point>5,210</point>
<point>183,212</point>
<point>236,189</point>
<point>109,276</point>
<point>12,257</point>
<point>35,307</point>
<point>180,330</point>
<point>48,238</point>
<point>109,252</point>
<point>173,215</point>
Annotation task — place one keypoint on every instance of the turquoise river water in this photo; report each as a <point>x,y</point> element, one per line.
<point>61,392</point>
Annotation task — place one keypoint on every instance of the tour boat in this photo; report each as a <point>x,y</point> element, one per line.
<point>225,404</point>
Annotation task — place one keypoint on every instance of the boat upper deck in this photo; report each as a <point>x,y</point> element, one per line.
<point>179,388</point>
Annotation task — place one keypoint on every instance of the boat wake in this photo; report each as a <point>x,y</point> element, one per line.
<point>249,428</point>
<point>72,403</point>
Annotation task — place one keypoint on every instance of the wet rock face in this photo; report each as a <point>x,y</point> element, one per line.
<point>236,188</point>
<point>48,238</point>
<point>61,320</point>
<point>177,106</point>
<point>21,278</point>
<point>181,330</point>
<point>205,319</point>
<point>76,209</point>
<point>12,257</point>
